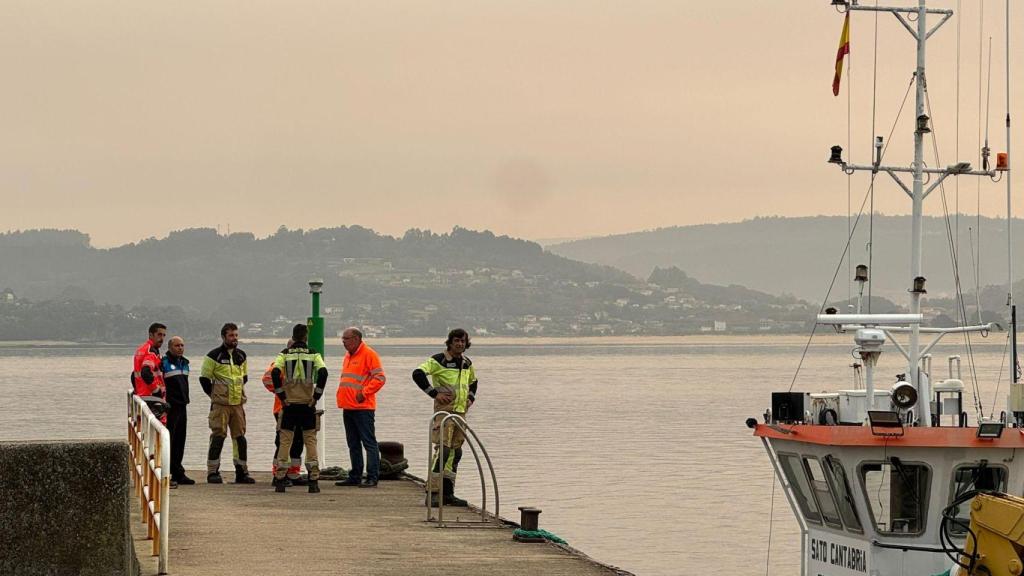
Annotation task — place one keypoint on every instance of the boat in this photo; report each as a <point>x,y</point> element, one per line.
<point>880,478</point>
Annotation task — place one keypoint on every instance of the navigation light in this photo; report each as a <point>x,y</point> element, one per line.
<point>837,155</point>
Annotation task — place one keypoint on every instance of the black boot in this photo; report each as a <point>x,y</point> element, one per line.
<point>314,487</point>
<point>214,478</point>
<point>280,487</point>
<point>242,476</point>
<point>448,489</point>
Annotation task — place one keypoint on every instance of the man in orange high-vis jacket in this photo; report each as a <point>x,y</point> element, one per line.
<point>362,376</point>
<point>147,376</point>
<point>147,379</point>
<point>293,476</point>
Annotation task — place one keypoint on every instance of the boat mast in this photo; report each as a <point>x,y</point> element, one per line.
<point>917,197</point>
<point>916,191</point>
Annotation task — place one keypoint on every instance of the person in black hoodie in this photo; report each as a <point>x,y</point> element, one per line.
<point>175,369</point>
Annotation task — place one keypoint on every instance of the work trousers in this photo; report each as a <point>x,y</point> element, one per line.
<point>177,425</point>
<point>295,466</point>
<point>360,434</point>
<point>297,419</point>
<point>452,440</point>
<point>225,418</point>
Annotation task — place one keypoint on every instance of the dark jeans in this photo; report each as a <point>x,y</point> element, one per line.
<point>359,434</point>
<point>177,425</point>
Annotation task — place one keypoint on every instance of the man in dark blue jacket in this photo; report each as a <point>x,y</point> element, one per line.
<point>175,369</point>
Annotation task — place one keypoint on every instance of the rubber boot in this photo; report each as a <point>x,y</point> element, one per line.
<point>242,476</point>
<point>450,499</point>
<point>314,487</point>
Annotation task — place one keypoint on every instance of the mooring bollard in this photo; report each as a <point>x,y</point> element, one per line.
<point>528,521</point>
<point>529,518</point>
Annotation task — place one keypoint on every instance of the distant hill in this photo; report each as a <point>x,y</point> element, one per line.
<point>207,272</point>
<point>56,285</point>
<point>799,256</point>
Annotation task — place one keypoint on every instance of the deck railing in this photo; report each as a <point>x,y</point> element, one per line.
<point>150,445</point>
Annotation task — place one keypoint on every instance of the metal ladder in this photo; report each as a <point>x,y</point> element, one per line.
<point>487,519</point>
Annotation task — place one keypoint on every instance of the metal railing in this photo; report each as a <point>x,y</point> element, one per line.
<point>149,443</point>
<point>487,520</point>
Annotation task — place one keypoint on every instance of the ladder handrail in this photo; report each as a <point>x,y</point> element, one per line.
<point>453,419</point>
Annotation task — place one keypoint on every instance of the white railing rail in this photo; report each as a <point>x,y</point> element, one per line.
<point>149,443</point>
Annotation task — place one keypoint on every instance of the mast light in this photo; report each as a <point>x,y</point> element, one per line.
<point>1002,161</point>
<point>862,273</point>
<point>922,124</point>
<point>919,286</point>
<point>837,155</point>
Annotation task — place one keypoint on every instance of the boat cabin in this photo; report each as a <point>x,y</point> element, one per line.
<point>868,489</point>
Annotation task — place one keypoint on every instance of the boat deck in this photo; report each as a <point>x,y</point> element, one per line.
<point>234,529</point>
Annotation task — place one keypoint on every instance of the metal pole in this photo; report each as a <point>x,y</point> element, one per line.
<point>924,396</point>
<point>1009,211</point>
<point>316,341</point>
<point>869,379</point>
<point>1013,342</point>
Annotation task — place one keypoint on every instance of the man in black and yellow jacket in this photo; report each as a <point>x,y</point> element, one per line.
<point>299,377</point>
<point>223,378</point>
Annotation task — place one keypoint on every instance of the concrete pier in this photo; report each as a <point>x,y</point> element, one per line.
<point>64,508</point>
<point>247,530</point>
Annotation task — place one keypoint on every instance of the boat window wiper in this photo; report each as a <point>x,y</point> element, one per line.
<point>902,471</point>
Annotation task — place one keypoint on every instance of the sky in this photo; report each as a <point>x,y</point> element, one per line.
<point>564,119</point>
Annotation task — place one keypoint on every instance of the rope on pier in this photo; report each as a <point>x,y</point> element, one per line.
<point>540,533</point>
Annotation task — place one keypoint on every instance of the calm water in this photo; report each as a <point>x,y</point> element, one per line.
<point>635,449</point>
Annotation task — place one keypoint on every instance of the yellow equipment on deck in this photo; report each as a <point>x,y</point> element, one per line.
<point>997,523</point>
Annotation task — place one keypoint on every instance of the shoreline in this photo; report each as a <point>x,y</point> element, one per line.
<point>597,341</point>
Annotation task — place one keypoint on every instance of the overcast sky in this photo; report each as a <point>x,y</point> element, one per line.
<point>535,119</point>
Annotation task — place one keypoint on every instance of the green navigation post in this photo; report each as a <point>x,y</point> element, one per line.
<point>316,322</point>
<point>316,342</point>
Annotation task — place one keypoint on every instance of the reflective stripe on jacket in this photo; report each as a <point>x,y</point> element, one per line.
<point>147,356</point>
<point>299,366</point>
<point>454,374</point>
<point>175,374</point>
<point>360,372</point>
<point>227,370</point>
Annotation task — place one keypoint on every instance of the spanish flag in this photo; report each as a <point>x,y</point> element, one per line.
<point>844,49</point>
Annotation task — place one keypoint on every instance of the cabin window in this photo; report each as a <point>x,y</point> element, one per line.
<point>897,495</point>
<point>837,479</point>
<point>976,476</point>
<point>797,478</point>
<point>826,501</point>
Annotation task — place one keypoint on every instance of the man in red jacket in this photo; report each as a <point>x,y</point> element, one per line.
<point>362,376</point>
<point>147,379</point>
